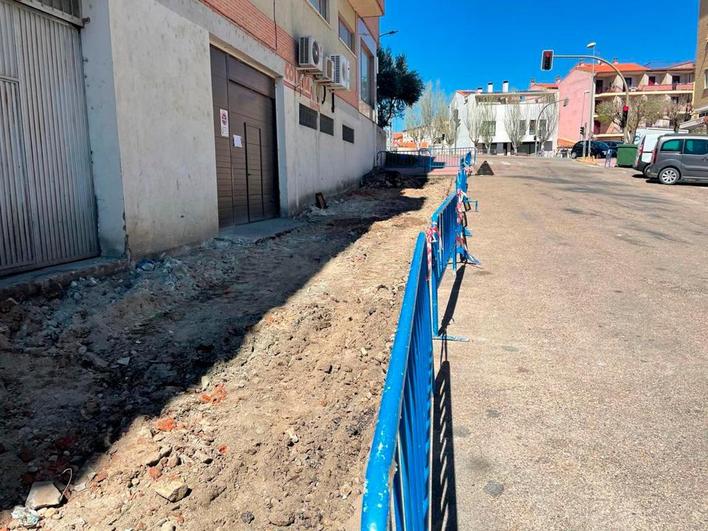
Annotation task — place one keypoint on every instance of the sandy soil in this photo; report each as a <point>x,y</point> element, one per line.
<point>240,380</point>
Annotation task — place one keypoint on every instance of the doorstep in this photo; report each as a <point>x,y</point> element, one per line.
<point>54,279</point>
<point>258,231</point>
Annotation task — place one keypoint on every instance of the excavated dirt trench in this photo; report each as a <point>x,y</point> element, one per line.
<point>239,380</point>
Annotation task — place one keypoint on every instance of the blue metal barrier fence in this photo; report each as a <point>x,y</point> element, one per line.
<point>397,490</point>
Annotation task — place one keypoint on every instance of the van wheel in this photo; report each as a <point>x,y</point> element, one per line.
<point>573,155</point>
<point>669,176</point>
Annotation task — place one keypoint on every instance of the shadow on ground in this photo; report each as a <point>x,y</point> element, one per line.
<point>77,368</point>
<point>444,492</point>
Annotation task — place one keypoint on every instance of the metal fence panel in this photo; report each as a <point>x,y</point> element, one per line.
<point>399,463</point>
<point>397,492</point>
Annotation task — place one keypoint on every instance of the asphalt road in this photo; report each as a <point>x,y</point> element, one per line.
<point>579,402</point>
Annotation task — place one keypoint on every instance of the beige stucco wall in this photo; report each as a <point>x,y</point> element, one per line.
<point>156,107</point>
<point>148,80</point>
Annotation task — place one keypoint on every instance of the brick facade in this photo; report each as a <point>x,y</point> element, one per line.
<point>248,17</point>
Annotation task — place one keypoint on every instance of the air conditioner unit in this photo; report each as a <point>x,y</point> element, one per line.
<point>310,54</point>
<point>341,76</point>
<point>327,73</point>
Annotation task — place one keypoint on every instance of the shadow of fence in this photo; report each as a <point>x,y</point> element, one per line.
<point>444,492</point>
<point>444,503</point>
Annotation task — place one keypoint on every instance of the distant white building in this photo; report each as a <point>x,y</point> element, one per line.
<point>484,117</point>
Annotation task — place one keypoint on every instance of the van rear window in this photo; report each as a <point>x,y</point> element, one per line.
<point>696,147</point>
<point>672,145</point>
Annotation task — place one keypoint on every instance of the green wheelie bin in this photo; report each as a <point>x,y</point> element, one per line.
<point>626,153</point>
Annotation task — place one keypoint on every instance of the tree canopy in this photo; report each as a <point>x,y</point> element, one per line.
<point>398,87</point>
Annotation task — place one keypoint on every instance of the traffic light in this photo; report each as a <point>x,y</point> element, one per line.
<point>547,60</point>
<point>625,111</point>
<point>582,131</point>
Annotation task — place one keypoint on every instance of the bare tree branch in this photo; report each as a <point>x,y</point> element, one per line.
<point>515,123</point>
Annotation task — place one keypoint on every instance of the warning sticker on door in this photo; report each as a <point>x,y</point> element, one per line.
<point>224,120</point>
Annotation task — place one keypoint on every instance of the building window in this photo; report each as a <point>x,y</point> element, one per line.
<point>489,127</point>
<point>308,117</point>
<point>522,126</point>
<point>629,81</point>
<point>366,75</point>
<point>346,34</point>
<point>69,7</point>
<point>675,80</point>
<point>326,124</point>
<point>705,79</point>
<point>598,86</point>
<point>532,127</point>
<point>322,7</point>
<point>347,134</point>
<point>652,80</point>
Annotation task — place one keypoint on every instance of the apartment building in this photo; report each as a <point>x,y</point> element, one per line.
<point>586,86</point>
<point>136,126</point>
<point>485,116</point>
<point>699,121</point>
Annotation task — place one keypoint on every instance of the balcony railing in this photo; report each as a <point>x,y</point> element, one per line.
<point>682,87</point>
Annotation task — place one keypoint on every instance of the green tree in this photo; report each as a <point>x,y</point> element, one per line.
<point>397,86</point>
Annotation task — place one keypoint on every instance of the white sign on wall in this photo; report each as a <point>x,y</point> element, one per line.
<point>224,120</point>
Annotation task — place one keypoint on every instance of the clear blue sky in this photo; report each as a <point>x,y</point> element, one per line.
<point>466,43</point>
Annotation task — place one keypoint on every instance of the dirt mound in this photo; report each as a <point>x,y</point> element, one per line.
<point>233,386</point>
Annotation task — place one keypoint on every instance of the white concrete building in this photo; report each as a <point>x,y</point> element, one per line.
<point>134,126</point>
<point>470,107</point>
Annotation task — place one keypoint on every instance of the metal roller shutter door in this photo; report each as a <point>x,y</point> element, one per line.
<point>47,208</point>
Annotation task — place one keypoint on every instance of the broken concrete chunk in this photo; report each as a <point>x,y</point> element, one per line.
<point>154,457</point>
<point>203,457</point>
<point>86,474</point>
<point>43,494</point>
<point>95,361</point>
<point>28,518</point>
<point>173,489</point>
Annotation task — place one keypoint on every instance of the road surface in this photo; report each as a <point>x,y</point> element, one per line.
<point>579,401</point>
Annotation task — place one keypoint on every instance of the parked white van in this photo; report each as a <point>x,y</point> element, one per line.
<point>645,139</point>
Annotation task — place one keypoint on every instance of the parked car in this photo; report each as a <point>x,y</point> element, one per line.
<point>645,139</point>
<point>597,149</point>
<point>679,158</point>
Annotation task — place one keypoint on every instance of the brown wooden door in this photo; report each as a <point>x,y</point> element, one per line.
<point>246,159</point>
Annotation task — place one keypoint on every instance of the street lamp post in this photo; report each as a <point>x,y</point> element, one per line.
<point>608,63</point>
<point>538,120</point>
<point>591,118</point>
